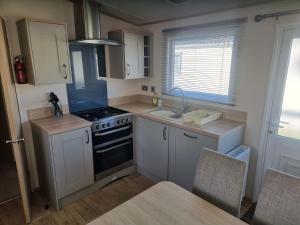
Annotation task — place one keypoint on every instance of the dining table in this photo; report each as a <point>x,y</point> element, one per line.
<point>166,204</point>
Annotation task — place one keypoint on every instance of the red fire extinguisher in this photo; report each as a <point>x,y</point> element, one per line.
<point>20,70</point>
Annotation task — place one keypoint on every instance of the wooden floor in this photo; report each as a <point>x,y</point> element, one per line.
<point>84,210</point>
<point>10,186</point>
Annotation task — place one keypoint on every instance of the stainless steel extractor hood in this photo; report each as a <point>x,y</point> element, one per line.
<point>87,24</point>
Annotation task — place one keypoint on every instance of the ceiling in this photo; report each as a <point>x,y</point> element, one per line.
<point>141,12</point>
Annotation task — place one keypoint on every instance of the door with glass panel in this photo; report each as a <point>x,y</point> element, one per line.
<point>283,142</point>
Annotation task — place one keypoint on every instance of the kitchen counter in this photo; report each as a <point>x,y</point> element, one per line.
<point>215,129</point>
<point>53,125</point>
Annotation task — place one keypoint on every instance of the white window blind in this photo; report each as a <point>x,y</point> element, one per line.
<point>202,61</point>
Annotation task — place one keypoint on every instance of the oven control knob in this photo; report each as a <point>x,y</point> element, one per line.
<point>108,124</point>
<point>118,121</point>
<point>123,121</point>
<point>103,125</point>
<point>127,120</point>
<point>97,127</point>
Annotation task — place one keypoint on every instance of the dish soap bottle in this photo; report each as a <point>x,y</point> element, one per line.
<point>155,99</point>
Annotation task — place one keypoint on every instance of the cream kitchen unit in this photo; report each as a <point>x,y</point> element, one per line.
<point>166,152</point>
<point>64,156</point>
<point>44,47</point>
<point>132,59</point>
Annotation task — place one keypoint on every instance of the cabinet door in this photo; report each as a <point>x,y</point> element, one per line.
<point>134,55</point>
<point>152,148</point>
<point>73,160</point>
<point>50,54</point>
<point>185,147</point>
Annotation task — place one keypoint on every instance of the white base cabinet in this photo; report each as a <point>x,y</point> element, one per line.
<point>152,148</point>
<point>184,151</point>
<point>65,162</point>
<point>164,152</point>
<point>73,161</point>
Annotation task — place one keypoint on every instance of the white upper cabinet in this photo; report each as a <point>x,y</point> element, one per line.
<point>134,55</point>
<point>44,47</point>
<point>131,59</point>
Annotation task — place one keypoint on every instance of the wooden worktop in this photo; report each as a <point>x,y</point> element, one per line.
<point>167,203</point>
<point>215,129</point>
<point>54,125</point>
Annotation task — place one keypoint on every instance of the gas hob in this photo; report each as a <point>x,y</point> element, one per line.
<point>105,118</point>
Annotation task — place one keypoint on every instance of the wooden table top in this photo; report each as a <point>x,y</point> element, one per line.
<point>166,204</point>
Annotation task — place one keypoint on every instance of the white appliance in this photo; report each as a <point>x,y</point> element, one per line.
<point>241,153</point>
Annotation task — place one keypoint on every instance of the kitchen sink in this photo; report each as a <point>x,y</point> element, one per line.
<point>166,113</point>
<point>176,116</point>
<point>200,116</point>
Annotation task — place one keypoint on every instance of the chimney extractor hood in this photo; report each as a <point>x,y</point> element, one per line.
<point>87,24</point>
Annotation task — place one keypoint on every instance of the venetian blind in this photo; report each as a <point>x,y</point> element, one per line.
<point>202,61</point>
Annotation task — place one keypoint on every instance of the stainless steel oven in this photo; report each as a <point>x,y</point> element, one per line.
<point>113,146</point>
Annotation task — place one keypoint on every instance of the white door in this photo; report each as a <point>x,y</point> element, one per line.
<point>12,114</point>
<point>283,141</point>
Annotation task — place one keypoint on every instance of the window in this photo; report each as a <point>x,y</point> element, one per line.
<point>202,62</point>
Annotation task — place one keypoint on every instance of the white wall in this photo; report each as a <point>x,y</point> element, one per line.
<point>31,97</point>
<point>256,54</point>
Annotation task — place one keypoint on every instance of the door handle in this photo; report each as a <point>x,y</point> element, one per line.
<point>18,140</point>
<point>87,136</point>
<point>284,122</point>
<point>165,133</point>
<point>276,125</point>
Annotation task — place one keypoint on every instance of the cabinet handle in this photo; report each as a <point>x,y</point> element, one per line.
<point>87,136</point>
<point>165,133</point>
<point>128,69</point>
<point>190,136</point>
<point>66,75</point>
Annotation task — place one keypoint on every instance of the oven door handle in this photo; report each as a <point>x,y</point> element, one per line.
<point>112,148</point>
<point>95,147</point>
<point>112,131</point>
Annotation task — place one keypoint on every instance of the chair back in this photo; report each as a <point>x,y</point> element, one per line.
<point>279,200</point>
<point>219,179</point>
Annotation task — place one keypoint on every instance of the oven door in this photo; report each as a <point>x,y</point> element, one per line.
<point>112,157</point>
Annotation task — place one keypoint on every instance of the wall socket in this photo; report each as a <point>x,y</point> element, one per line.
<point>153,89</point>
<point>144,88</point>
